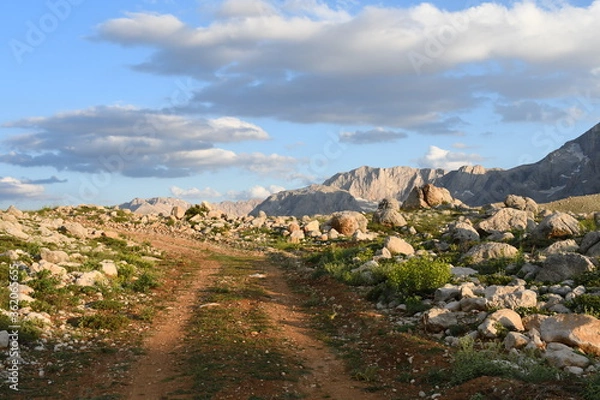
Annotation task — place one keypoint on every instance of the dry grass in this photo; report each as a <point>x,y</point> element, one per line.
<point>579,205</point>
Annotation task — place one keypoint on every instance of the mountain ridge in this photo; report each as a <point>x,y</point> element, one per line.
<point>571,170</point>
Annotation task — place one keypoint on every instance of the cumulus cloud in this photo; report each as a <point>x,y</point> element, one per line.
<point>377,135</point>
<point>12,188</point>
<point>370,65</point>
<point>136,143</point>
<point>194,193</point>
<point>437,157</point>
<point>255,192</point>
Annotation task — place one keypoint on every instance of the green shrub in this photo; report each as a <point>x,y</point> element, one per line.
<point>111,322</point>
<point>145,283</point>
<point>585,304</point>
<point>417,275</point>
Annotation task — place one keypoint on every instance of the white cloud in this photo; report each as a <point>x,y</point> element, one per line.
<point>255,192</point>
<point>440,158</point>
<point>194,193</point>
<point>380,66</point>
<point>12,188</point>
<point>137,142</point>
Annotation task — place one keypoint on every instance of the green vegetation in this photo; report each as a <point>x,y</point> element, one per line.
<point>585,304</point>
<point>417,275</point>
<point>471,363</point>
<point>108,321</point>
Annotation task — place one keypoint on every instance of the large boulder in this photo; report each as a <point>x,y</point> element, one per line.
<point>427,196</point>
<point>521,203</point>
<point>462,231</point>
<point>577,330</point>
<point>74,229</point>
<point>53,256</point>
<point>491,250</point>
<point>348,222</point>
<point>506,318</point>
<point>557,225</point>
<point>561,266</point>
<point>178,212</point>
<point>590,245</point>
<point>90,278</point>
<point>561,356</point>
<point>439,319</point>
<point>511,297</point>
<point>13,229</point>
<point>387,214</point>
<point>562,246</point>
<point>507,219</point>
<point>397,245</point>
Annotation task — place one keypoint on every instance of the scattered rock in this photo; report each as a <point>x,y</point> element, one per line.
<point>90,278</point>
<point>397,245</point>
<point>561,356</point>
<point>521,203</point>
<point>577,330</point>
<point>427,196</point>
<point>74,229</point>
<point>555,226</point>
<point>510,297</point>
<point>491,250</point>
<point>561,266</point>
<point>590,245</point>
<point>348,222</point>
<point>53,256</point>
<point>178,212</point>
<point>507,219</point>
<point>387,214</point>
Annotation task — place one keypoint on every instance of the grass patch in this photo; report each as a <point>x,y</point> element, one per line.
<point>471,363</point>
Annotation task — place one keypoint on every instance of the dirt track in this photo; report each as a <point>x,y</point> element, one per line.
<point>160,372</point>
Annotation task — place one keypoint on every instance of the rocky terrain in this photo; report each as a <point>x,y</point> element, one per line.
<point>571,170</point>
<point>516,275</point>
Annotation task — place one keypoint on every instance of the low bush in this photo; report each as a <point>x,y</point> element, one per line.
<point>111,322</point>
<point>585,304</point>
<point>417,275</point>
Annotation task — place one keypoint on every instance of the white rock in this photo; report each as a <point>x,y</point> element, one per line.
<point>108,267</point>
<point>3,339</point>
<point>515,340</point>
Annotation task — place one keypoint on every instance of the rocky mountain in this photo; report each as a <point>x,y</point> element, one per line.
<point>314,199</point>
<point>164,205</point>
<point>155,205</point>
<point>572,170</point>
<point>375,184</point>
<point>237,208</point>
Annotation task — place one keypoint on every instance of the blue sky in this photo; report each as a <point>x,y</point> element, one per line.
<point>226,100</point>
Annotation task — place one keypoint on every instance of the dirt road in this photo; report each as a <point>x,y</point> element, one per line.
<point>161,372</point>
